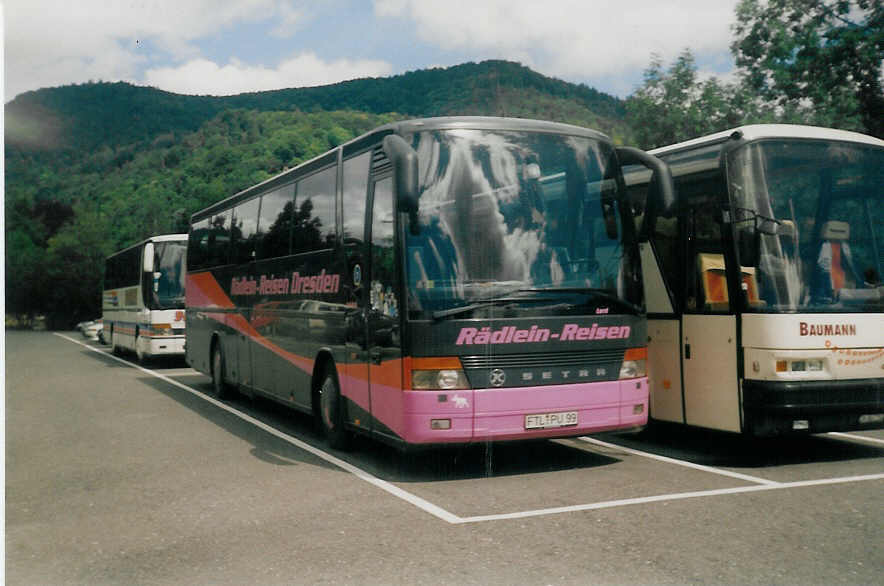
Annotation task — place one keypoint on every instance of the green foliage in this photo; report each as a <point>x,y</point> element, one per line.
<point>153,192</point>
<point>73,285</point>
<point>817,60</point>
<point>673,105</point>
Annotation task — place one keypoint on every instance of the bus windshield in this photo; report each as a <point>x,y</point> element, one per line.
<point>517,216</point>
<point>169,275</point>
<point>808,220</point>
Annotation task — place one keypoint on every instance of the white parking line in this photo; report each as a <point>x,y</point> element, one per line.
<point>181,372</point>
<point>358,472</point>
<point>668,497</point>
<point>762,484</point>
<point>745,477</point>
<point>853,436</point>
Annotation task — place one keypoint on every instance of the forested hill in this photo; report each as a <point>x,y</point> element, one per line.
<point>95,167</point>
<point>97,115</point>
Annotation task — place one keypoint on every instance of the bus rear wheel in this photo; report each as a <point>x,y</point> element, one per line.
<point>331,413</point>
<point>220,388</point>
<point>115,348</point>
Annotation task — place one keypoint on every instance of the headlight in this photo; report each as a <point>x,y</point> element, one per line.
<point>438,380</point>
<point>437,374</point>
<point>634,363</point>
<point>810,365</point>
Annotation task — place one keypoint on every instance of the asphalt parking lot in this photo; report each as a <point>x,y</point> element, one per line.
<point>666,505</point>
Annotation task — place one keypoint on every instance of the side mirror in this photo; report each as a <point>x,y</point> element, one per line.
<point>661,200</point>
<point>148,258</point>
<point>405,176</point>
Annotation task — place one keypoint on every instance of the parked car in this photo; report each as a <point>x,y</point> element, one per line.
<point>90,329</point>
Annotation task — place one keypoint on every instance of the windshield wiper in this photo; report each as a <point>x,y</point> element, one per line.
<point>602,293</point>
<point>484,303</point>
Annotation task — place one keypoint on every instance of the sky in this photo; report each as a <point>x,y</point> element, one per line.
<point>225,47</point>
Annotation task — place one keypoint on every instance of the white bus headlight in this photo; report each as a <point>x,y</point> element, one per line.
<point>437,374</point>
<point>634,363</point>
<point>801,365</point>
<point>438,380</point>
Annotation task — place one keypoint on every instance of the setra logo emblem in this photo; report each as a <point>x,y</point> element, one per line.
<point>497,377</point>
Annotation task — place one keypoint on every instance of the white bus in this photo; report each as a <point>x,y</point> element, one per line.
<point>763,285</point>
<point>143,300</point>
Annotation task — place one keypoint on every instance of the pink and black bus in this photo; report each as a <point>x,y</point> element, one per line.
<point>434,281</point>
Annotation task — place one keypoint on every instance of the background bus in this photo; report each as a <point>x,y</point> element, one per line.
<point>434,281</point>
<point>143,300</point>
<point>763,286</point>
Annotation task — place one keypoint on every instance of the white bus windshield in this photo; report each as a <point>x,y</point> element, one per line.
<point>169,275</point>
<point>808,217</point>
<point>506,212</point>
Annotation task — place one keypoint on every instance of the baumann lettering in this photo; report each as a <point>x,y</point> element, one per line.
<point>535,334</point>
<point>806,329</point>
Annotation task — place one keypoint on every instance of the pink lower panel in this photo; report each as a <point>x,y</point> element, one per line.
<point>499,414</point>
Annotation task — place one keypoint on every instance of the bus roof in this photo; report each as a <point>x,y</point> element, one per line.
<point>760,131</point>
<point>487,122</point>
<point>407,127</point>
<point>158,238</point>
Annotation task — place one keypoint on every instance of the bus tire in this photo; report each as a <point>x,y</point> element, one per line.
<point>220,388</point>
<point>142,356</point>
<point>331,412</point>
<point>115,349</point>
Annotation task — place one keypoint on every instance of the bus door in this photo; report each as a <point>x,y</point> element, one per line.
<point>709,332</point>
<point>383,305</point>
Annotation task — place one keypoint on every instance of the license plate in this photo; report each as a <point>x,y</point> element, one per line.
<point>547,420</point>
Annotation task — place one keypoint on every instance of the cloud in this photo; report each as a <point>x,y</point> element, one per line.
<point>201,76</point>
<point>55,42</point>
<point>211,47</point>
<point>570,38</point>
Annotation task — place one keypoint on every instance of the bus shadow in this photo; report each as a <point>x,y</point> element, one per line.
<point>483,460</point>
<point>424,465</point>
<point>731,450</point>
<point>474,461</point>
<point>265,446</point>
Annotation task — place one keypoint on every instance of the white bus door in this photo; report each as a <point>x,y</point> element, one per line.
<point>709,364</point>
<point>708,329</point>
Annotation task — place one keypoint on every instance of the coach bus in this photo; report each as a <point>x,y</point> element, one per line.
<point>435,281</point>
<point>143,299</point>
<point>763,284</point>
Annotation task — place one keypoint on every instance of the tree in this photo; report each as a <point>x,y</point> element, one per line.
<point>673,105</point>
<point>821,59</point>
<point>74,269</point>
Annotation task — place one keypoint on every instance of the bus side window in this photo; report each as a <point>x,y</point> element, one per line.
<point>354,188</point>
<point>314,226</point>
<point>244,231</point>
<point>219,239</point>
<point>197,246</point>
<point>275,223</point>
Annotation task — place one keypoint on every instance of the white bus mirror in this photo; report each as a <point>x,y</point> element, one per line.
<point>148,258</point>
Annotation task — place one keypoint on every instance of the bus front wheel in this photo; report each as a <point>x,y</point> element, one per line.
<point>140,354</point>
<point>220,388</point>
<point>331,413</point>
